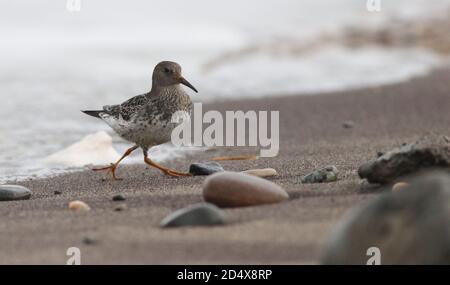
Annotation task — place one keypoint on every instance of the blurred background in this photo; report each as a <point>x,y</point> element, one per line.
<point>56,61</point>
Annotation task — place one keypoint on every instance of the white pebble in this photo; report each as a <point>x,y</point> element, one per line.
<point>79,206</point>
<point>265,172</point>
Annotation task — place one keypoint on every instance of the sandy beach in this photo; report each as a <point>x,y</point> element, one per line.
<point>39,230</point>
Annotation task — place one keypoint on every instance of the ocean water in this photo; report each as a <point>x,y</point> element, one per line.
<point>55,62</point>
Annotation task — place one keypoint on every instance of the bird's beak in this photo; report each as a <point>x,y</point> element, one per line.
<point>186,83</point>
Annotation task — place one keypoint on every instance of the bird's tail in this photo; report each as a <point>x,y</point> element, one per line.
<point>95,114</point>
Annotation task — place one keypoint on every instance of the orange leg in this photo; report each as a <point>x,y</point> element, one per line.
<point>112,168</point>
<point>166,170</point>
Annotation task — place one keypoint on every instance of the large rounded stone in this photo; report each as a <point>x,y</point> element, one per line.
<point>411,226</point>
<point>14,192</point>
<point>231,189</point>
<point>203,214</point>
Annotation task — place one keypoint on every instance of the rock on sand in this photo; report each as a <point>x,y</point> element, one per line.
<point>231,189</point>
<point>408,227</point>
<point>264,172</point>
<point>14,192</point>
<point>202,214</point>
<point>206,168</point>
<point>327,174</point>
<point>79,206</point>
<point>428,152</point>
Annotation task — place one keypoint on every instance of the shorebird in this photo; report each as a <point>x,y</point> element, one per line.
<point>145,120</point>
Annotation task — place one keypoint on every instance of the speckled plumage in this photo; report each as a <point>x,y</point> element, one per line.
<point>146,119</point>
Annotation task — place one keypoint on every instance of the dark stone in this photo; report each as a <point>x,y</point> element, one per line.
<point>203,214</point>
<point>118,198</point>
<point>206,168</point>
<point>89,241</point>
<point>57,192</point>
<point>348,124</point>
<point>428,152</point>
<point>411,226</point>
<point>14,192</point>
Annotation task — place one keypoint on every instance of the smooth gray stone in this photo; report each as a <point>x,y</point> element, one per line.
<point>327,174</point>
<point>206,168</point>
<point>14,192</point>
<point>411,226</point>
<point>202,214</point>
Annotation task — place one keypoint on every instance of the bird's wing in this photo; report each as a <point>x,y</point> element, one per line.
<point>127,109</point>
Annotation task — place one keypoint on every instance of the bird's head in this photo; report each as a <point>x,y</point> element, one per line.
<point>168,73</point>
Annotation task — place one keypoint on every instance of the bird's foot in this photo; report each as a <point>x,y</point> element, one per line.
<point>165,170</point>
<point>112,168</point>
<point>174,173</point>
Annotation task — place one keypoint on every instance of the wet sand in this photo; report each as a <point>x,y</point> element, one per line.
<point>40,230</point>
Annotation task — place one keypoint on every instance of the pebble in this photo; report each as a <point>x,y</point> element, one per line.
<point>120,208</point>
<point>79,206</point>
<point>399,186</point>
<point>202,214</point>
<point>348,124</point>
<point>327,174</point>
<point>264,172</point>
<point>231,189</point>
<point>118,198</point>
<point>89,241</point>
<point>206,168</point>
<point>14,192</point>
<point>57,192</point>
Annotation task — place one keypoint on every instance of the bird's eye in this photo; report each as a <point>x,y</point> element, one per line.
<point>166,70</point>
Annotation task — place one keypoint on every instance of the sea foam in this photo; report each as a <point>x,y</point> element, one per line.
<point>92,149</point>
